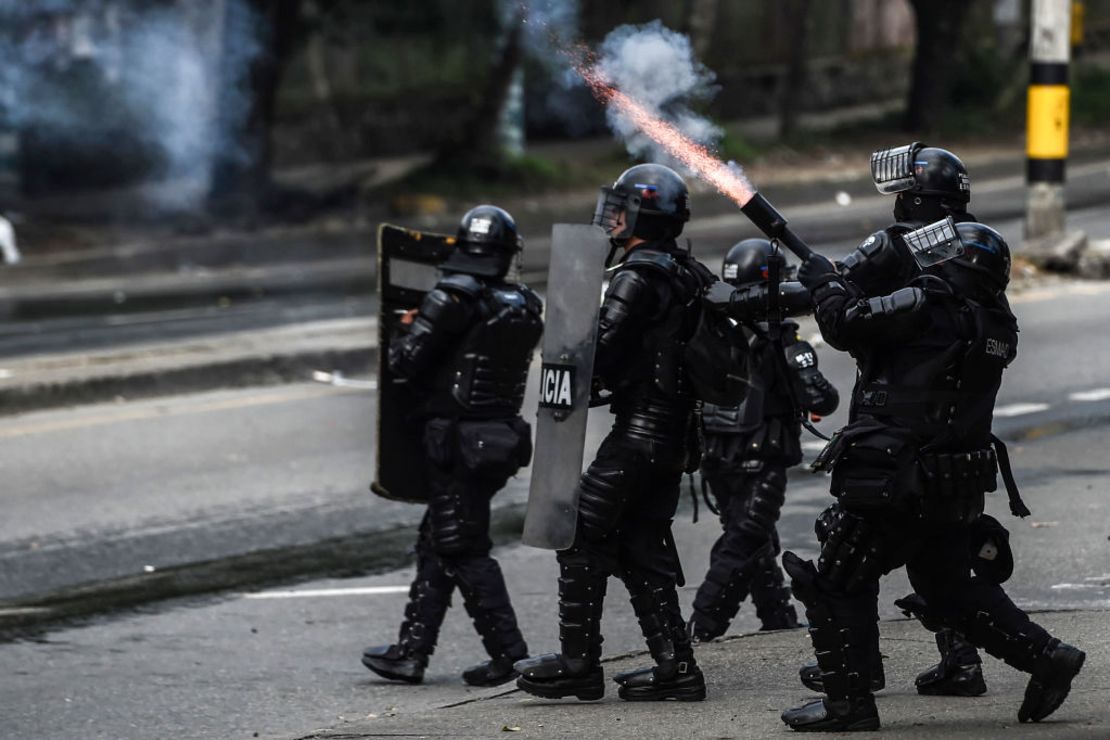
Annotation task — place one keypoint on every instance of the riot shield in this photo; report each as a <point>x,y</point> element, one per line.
<point>407,262</point>
<point>574,278</point>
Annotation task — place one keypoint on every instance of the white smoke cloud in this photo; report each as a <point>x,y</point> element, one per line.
<point>175,72</point>
<point>657,67</point>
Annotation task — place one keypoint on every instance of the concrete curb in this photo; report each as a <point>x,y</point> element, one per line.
<point>236,359</point>
<point>373,550</point>
<point>1060,252</point>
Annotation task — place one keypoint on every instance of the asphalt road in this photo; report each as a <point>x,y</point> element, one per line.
<point>114,489</point>
<point>282,663</point>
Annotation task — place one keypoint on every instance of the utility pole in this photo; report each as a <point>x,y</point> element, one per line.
<point>1047,127</point>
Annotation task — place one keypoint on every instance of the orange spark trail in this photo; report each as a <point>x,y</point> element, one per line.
<point>729,181</point>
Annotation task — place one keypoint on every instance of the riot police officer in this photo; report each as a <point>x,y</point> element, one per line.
<point>628,495</point>
<point>929,184</point>
<point>468,350</point>
<point>911,468</point>
<point>748,448</point>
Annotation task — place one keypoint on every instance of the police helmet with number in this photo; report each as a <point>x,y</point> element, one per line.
<point>921,170</point>
<point>746,262</point>
<point>653,200</point>
<point>487,242</point>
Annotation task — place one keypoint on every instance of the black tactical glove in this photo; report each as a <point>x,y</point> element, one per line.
<point>815,271</point>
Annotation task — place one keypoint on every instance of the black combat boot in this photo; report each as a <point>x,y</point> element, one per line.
<point>396,662</point>
<point>675,674</point>
<point>851,714</point>
<point>487,602</point>
<point>845,654</point>
<point>429,598</point>
<point>576,671</point>
<point>959,672</point>
<point>1051,680</point>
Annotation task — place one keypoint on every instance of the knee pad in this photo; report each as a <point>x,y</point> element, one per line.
<point>852,555</point>
<point>765,499</point>
<point>601,498</point>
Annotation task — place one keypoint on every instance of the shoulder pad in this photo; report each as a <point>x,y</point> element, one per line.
<point>874,243</point>
<point>651,259</point>
<point>531,298</point>
<point>458,282</point>
<point>626,286</point>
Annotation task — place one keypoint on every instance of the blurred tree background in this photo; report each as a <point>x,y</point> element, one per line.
<point>342,81</point>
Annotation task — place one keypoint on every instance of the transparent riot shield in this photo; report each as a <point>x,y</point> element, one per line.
<point>575,276</point>
<point>407,270</point>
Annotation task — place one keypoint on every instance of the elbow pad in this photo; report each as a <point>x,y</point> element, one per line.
<point>900,302</point>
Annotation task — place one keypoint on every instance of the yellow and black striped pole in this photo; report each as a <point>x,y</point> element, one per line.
<point>1047,127</point>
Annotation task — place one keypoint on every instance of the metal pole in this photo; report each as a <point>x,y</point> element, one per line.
<point>1047,128</point>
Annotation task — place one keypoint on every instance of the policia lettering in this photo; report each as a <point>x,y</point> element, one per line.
<point>628,495</point>
<point>466,353</point>
<point>557,386</point>
<point>912,465</point>
<point>748,447</point>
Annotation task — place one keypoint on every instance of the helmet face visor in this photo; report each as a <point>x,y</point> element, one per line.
<point>616,212</point>
<point>892,169</point>
<point>934,244</point>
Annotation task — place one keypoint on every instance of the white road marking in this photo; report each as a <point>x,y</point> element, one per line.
<point>337,378</point>
<point>1076,586</point>
<point>814,445</point>
<point>1020,409</point>
<point>1098,394</point>
<point>325,592</point>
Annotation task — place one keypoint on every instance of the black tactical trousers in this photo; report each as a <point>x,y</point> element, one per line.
<point>626,501</point>
<point>744,559</point>
<point>841,595</point>
<point>453,551</point>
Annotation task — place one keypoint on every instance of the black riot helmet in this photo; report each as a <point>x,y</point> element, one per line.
<point>746,262</point>
<point>930,182</point>
<point>654,202</point>
<point>986,253</point>
<point>488,241</point>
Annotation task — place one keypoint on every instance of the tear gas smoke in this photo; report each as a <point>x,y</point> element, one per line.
<point>728,178</point>
<point>170,78</point>
<point>656,67</point>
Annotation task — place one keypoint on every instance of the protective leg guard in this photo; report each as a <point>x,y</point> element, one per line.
<point>771,597</point>
<point>857,714</point>
<point>676,674</point>
<point>487,602</point>
<point>959,672</point>
<point>1051,680</point>
<point>810,675</point>
<point>576,671</point>
<point>429,598</point>
<point>844,633</point>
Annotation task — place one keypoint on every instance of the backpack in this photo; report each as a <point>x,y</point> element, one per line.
<point>717,359</point>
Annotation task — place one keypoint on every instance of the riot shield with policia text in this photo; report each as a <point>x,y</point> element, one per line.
<point>408,264</point>
<point>574,281</point>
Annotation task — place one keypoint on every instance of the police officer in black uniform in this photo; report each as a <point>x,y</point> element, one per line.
<point>939,187</point>
<point>911,468</point>
<point>748,448</point>
<point>628,495</point>
<point>468,347</point>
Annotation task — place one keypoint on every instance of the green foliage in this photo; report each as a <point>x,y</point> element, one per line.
<point>734,145</point>
<point>526,175</point>
<point>1090,96</point>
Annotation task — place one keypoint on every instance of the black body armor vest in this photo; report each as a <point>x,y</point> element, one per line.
<point>486,373</point>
